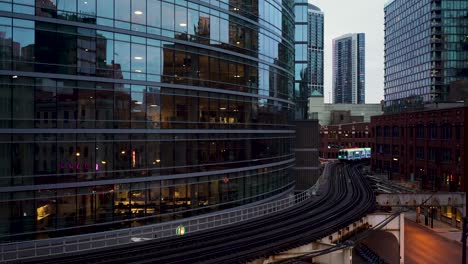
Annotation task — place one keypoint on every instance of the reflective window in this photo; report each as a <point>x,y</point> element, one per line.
<point>167,16</point>
<point>122,56</point>
<point>105,8</point>
<point>139,11</point>
<point>122,10</point>
<point>301,33</point>
<point>214,29</point>
<point>69,6</point>
<point>154,16</point>
<point>6,46</point>
<point>193,19</point>
<point>104,54</point>
<point>87,7</point>
<point>181,19</point>
<point>106,89</point>
<point>138,61</point>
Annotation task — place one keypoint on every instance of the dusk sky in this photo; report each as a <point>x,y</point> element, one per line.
<point>356,16</point>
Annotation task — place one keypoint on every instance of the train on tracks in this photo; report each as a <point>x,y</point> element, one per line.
<point>354,154</point>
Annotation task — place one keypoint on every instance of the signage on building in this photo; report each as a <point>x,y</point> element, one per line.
<point>76,166</point>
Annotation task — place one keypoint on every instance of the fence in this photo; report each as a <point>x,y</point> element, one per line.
<point>55,246</point>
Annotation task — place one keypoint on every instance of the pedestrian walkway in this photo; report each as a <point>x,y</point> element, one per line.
<point>440,228</point>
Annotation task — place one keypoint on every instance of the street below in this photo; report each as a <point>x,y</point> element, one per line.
<point>422,246</point>
<point>425,247</point>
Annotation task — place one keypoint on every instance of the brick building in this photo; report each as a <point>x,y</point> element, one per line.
<point>334,137</point>
<point>426,147</point>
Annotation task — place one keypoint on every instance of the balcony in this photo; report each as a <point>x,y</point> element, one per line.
<point>437,31</point>
<point>436,74</point>
<point>436,47</point>
<point>436,40</point>
<point>436,65</point>
<point>436,15</point>
<point>436,7</point>
<point>436,57</point>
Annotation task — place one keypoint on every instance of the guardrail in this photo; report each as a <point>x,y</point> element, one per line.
<point>54,246</point>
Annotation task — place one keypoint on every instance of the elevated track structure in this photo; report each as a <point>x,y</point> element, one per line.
<point>344,198</point>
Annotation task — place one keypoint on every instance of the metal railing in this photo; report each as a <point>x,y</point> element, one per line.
<point>62,245</point>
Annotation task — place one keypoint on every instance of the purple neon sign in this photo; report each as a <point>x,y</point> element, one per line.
<point>76,166</point>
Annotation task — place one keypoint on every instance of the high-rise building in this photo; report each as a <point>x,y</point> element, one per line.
<point>118,113</point>
<point>426,51</point>
<point>308,42</point>
<point>349,83</point>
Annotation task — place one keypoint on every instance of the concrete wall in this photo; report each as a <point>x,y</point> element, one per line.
<point>307,144</point>
<point>321,111</point>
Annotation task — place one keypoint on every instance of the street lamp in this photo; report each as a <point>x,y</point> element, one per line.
<point>464,235</point>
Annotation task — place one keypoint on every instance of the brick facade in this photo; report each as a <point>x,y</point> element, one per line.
<point>334,137</point>
<point>426,147</point>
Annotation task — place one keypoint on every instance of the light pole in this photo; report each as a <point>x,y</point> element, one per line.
<point>464,234</point>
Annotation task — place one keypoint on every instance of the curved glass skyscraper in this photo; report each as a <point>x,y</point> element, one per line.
<point>118,113</point>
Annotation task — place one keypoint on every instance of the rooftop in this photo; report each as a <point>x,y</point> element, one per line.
<point>388,2</point>
<point>313,7</point>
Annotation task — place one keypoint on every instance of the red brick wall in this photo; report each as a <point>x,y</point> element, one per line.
<point>334,137</point>
<point>417,146</point>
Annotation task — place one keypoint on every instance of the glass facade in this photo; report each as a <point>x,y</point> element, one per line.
<point>426,51</point>
<point>118,113</point>
<point>308,42</point>
<point>349,82</point>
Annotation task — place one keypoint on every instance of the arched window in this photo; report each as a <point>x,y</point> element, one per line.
<point>419,131</point>
<point>433,131</point>
<point>386,131</point>
<point>446,131</point>
<point>395,131</point>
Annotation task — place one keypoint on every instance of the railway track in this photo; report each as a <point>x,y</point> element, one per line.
<point>346,197</point>
<point>385,186</point>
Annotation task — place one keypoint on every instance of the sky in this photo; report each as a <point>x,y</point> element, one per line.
<point>356,16</point>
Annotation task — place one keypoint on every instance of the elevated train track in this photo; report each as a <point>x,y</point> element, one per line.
<point>345,198</point>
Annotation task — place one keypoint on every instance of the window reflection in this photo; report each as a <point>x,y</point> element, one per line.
<point>167,16</point>
<point>105,8</point>
<point>159,200</point>
<point>138,106</point>
<point>138,61</point>
<point>154,17</point>
<point>139,11</point>
<point>181,20</point>
<point>70,104</point>
<point>23,55</point>
<point>86,7</point>
<point>122,10</point>
<point>97,54</point>
<point>223,28</point>
<point>122,57</point>
<point>109,105</point>
<point>68,6</point>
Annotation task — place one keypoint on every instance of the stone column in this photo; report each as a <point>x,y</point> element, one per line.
<point>418,215</point>
<point>402,238</point>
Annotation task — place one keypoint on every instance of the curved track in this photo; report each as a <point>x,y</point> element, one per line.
<point>346,198</point>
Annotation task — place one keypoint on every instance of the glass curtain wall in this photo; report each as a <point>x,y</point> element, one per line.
<point>121,113</point>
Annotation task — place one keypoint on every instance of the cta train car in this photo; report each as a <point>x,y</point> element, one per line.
<point>354,154</point>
